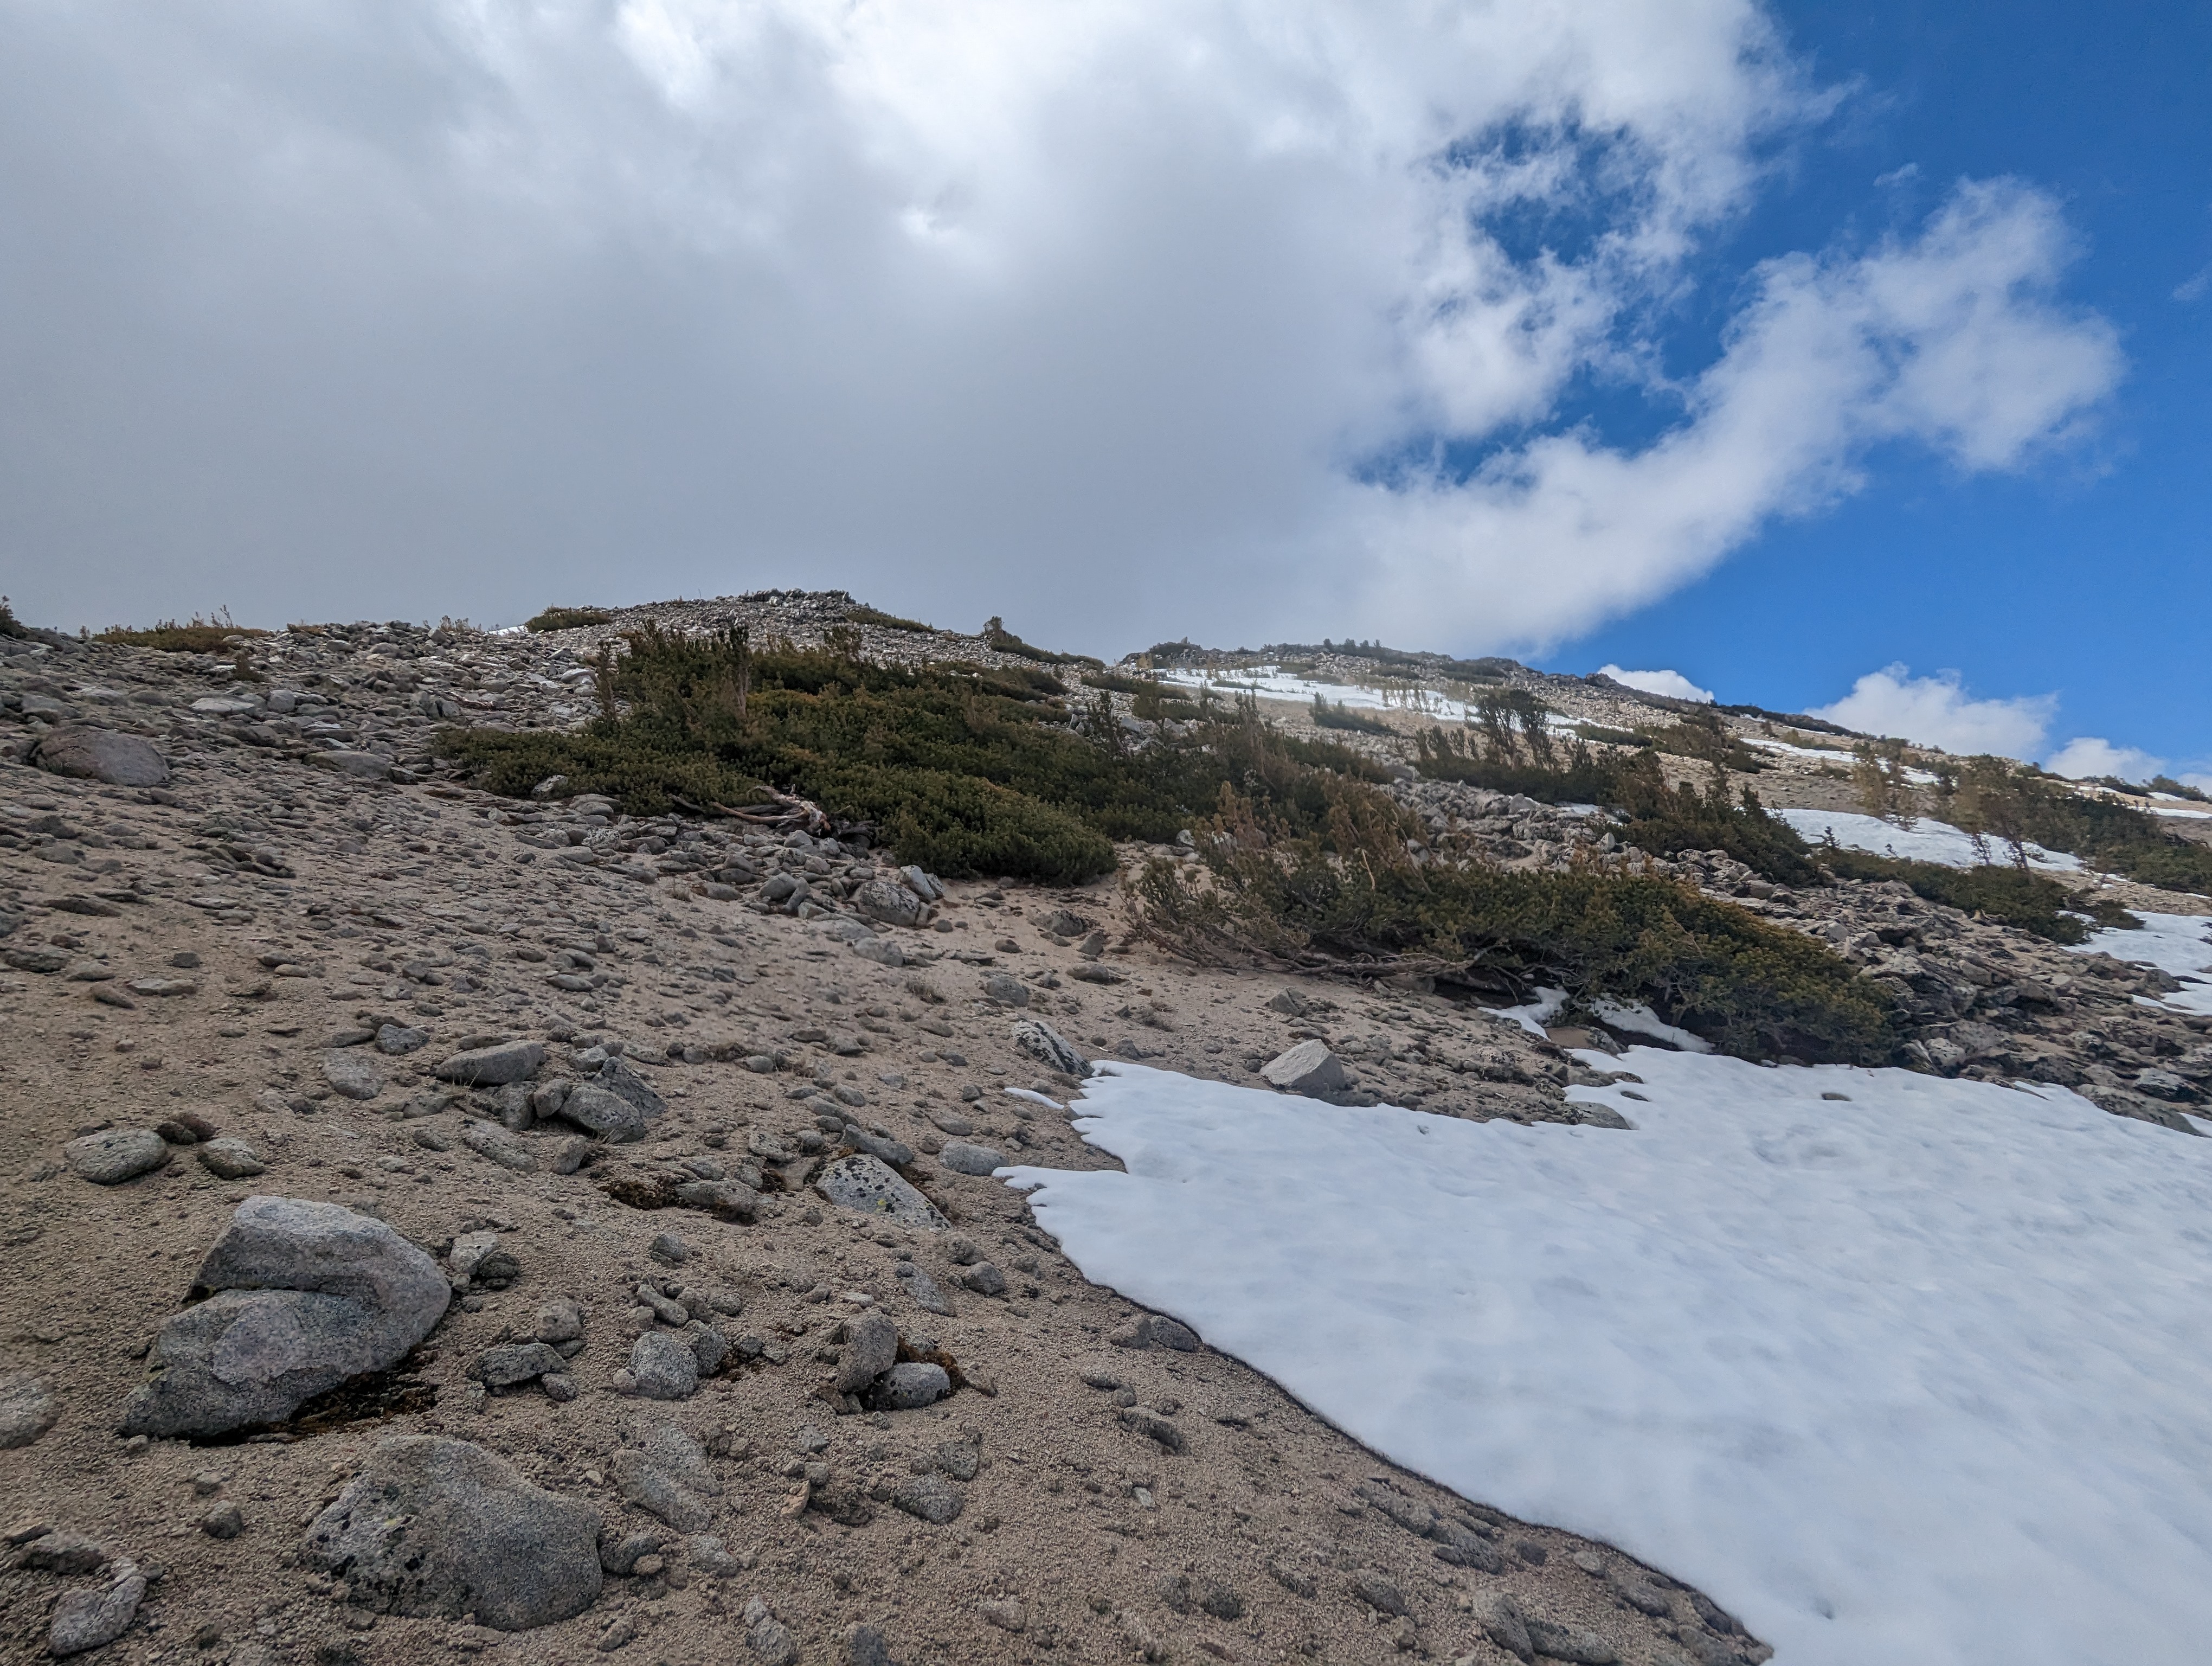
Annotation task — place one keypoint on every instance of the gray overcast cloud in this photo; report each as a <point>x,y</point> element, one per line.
<point>1116,319</point>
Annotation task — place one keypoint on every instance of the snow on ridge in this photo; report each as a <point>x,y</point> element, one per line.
<point>1914,1375</point>
<point>1927,842</point>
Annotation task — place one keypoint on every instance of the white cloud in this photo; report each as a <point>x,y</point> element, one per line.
<point>2087,756</point>
<point>1938,711</point>
<point>1115,317</point>
<point>1672,684</point>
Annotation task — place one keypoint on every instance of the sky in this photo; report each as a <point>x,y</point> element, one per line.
<point>1846,359</point>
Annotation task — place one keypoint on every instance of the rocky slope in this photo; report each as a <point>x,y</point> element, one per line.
<point>637,1201</point>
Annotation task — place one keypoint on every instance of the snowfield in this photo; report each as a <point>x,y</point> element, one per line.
<point>1928,841</point>
<point>1921,1375</point>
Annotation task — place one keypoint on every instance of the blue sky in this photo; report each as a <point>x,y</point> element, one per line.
<point>2089,573</point>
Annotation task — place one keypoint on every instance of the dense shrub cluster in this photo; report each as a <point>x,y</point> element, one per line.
<point>1341,716</point>
<point>875,616</point>
<point>2010,896</point>
<point>200,636</point>
<point>2014,804</point>
<point>568,618</point>
<point>1356,897</point>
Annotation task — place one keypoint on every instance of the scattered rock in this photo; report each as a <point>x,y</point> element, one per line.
<point>307,1295</point>
<point>350,1074</point>
<point>511,1363</point>
<point>397,1041</point>
<point>871,1349</point>
<point>963,1159</point>
<point>667,1474</point>
<point>1580,1647</point>
<point>509,1149</point>
<point>86,1618</point>
<point>933,1498</point>
<point>103,755</point>
<point>1049,1047</point>
<point>891,904</point>
<point>223,1521</point>
<point>230,1158</point>
<point>435,1529</point>
<point>559,1321</point>
<point>604,1112</point>
<point>985,1279</point>
<point>1309,1068</point>
<point>115,1155</point>
<point>27,1410</point>
<point>1502,1622</point>
<point>661,1367</point>
<point>912,1385</point>
<point>1006,989</point>
<point>66,1553</point>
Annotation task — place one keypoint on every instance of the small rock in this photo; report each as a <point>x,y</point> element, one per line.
<point>933,1498</point>
<point>867,1645</point>
<point>871,1349</point>
<point>27,1410</point>
<point>1049,1047</point>
<point>494,1066</point>
<point>771,1640</point>
<point>559,1321</point>
<point>223,1521</point>
<point>1309,1068</point>
<point>509,1150</point>
<point>667,1474</point>
<point>963,1159</point>
<point>912,1385</point>
<point>350,1074</point>
<point>669,1250</point>
<point>1006,989</point>
<point>891,904</point>
<point>1581,1647</point>
<point>1502,1621</point>
<point>86,1618</point>
<point>1373,1587</point>
<point>662,1368</point>
<point>115,1155</point>
<point>230,1158</point>
<point>985,1279</point>
<point>1152,1425</point>
<point>1006,1613</point>
<point>65,1552</point>
<point>365,766</point>
<point>511,1363</point>
<point>397,1041</point>
<point>433,1527</point>
<point>620,1633</point>
<point>922,1288</point>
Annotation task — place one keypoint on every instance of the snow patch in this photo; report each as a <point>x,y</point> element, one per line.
<point>2178,944</point>
<point>1914,1375</point>
<point>1927,842</point>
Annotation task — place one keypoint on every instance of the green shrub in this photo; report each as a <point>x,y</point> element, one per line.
<point>2010,896</point>
<point>1340,716</point>
<point>1118,683</point>
<point>2017,804</point>
<point>2158,783</point>
<point>1357,901</point>
<point>996,634</point>
<point>1701,736</point>
<point>9,625</point>
<point>876,616</point>
<point>568,618</point>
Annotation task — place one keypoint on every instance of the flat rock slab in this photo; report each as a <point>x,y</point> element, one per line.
<point>667,1475</point>
<point>603,1112</point>
<point>85,1620</point>
<point>368,766</point>
<point>92,754</point>
<point>115,1155</point>
<point>307,1295</point>
<point>868,1185</point>
<point>435,1529</point>
<point>494,1066</point>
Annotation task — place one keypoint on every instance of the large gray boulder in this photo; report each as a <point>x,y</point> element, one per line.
<point>435,1529</point>
<point>114,1155</point>
<point>92,754</point>
<point>868,1185</point>
<point>891,904</point>
<point>604,1112</point>
<point>86,1620</point>
<point>1309,1068</point>
<point>494,1066</point>
<point>306,1295</point>
<point>1049,1047</point>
